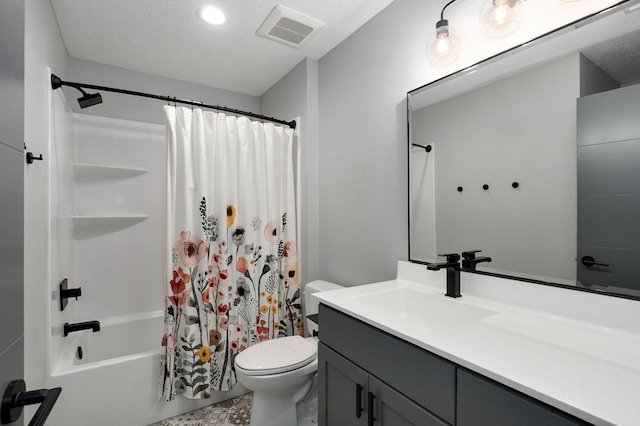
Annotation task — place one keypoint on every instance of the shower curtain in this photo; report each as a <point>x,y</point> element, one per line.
<point>230,244</point>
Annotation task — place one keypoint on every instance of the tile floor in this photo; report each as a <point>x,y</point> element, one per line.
<point>232,412</point>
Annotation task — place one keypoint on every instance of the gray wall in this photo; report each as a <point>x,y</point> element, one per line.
<point>296,94</point>
<point>363,84</point>
<point>11,192</point>
<point>142,109</point>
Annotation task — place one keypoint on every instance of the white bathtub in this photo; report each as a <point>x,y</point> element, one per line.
<point>116,381</point>
<point>120,339</point>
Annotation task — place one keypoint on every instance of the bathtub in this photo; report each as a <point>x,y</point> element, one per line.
<point>115,380</point>
<point>120,339</point>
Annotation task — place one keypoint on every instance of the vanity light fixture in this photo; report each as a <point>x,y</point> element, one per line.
<point>444,49</point>
<point>211,15</point>
<point>499,18</point>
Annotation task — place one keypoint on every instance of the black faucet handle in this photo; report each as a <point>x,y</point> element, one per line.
<point>451,257</point>
<point>470,254</point>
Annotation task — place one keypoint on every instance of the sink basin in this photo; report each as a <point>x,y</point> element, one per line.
<point>419,306</point>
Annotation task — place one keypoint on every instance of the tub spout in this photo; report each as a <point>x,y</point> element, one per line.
<point>70,328</point>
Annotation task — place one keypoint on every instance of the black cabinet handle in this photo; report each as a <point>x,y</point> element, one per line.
<point>359,408</point>
<point>590,261</point>
<point>15,397</point>
<point>370,403</point>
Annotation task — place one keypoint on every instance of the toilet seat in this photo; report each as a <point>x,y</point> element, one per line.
<point>277,356</point>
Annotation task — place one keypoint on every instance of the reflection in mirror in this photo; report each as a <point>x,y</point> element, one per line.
<point>535,159</point>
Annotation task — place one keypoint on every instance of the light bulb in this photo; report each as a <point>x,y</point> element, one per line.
<point>445,47</point>
<point>500,14</point>
<point>211,15</point>
<point>500,18</point>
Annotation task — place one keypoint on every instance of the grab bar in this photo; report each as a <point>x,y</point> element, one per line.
<point>16,396</point>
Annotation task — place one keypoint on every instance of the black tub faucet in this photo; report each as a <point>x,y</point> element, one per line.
<point>453,273</point>
<point>469,259</point>
<point>70,328</point>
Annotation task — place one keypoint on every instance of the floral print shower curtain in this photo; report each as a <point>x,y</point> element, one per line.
<point>231,273</point>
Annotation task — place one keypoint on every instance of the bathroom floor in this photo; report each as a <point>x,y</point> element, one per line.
<point>232,412</point>
<point>236,412</point>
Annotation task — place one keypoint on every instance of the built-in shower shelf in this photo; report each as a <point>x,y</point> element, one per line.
<point>87,172</point>
<point>87,226</point>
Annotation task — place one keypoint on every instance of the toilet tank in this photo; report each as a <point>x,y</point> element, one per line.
<point>311,303</point>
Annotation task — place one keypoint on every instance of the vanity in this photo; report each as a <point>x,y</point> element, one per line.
<point>505,353</point>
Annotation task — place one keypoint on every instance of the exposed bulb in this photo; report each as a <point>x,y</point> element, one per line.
<point>445,48</point>
<point>500,18</point>
<point>500,14</point>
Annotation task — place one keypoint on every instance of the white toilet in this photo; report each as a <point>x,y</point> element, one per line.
<point>280,372</point>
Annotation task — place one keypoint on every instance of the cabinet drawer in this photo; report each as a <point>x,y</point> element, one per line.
<point>481,401</point>
<point>424,377</point>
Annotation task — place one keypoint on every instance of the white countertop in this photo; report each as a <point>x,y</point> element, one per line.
<point>577,351</point>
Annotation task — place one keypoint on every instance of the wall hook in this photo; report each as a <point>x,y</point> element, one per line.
<point>31,158</point>
<point>425,147</point>
<point>485,187</point>
<point>460,189</point>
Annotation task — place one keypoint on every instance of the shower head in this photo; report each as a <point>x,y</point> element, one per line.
<point>88,100</point>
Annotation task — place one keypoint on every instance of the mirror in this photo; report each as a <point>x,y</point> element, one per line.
<point>533,157</point>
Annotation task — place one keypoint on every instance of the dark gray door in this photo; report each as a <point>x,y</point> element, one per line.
<point>391,408</point>
<point>343,390</point>
<point>11,191</point>
<point>609,189</point>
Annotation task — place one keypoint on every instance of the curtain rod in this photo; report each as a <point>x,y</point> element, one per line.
<point>92,99</point>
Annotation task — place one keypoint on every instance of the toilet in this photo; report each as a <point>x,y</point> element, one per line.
<point>281,372</point>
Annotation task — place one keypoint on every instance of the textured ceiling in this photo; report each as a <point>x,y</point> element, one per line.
<point>165,37</point>
<point>619,57</point>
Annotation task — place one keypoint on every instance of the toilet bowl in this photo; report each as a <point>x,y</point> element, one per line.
<point>280,372</point>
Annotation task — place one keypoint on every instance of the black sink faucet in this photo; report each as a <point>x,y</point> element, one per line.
<point>453,273</point>
<point>469,259</point>
<point>70,328</point>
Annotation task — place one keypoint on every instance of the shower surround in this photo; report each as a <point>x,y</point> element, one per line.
<point>104,182</point>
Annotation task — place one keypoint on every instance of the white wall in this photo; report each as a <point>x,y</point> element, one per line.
<point>43,47</point>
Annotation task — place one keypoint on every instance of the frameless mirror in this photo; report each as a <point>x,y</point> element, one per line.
<point>533,157</point>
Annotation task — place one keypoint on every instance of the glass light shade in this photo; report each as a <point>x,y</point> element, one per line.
<point>444,49</point>
<point>499,18</point>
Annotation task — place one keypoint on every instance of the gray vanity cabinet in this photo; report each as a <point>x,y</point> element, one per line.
<point>485,402</point>
<point>403,383</point>
<point>352,397</point>
<point>361,367</point>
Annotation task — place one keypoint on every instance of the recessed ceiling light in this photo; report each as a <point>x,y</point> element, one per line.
<point>211,15</point>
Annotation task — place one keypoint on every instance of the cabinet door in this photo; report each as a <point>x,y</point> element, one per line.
<point>484,402</point>
<point>420,375</point>
<point>391,408</point>
<point>342,390</point>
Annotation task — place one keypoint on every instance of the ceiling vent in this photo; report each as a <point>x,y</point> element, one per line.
<point>289,27</point>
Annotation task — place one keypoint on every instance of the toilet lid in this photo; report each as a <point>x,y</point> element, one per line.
<point>277,355</point>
